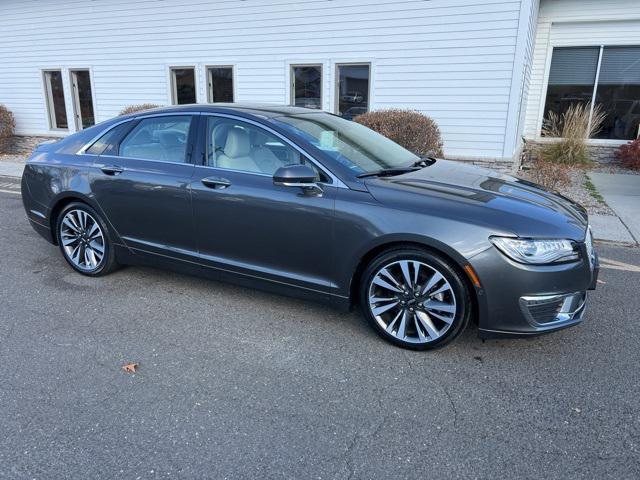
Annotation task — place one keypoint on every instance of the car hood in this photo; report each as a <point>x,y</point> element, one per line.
<point>478,195</point>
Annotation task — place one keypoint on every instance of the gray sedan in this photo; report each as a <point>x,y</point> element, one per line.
<point>306,203</point>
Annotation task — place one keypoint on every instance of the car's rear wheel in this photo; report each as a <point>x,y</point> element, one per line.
<point>84,240</point>
<point>415,299</point>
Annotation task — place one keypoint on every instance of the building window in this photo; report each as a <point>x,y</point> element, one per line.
<point>56,107</point>
<point>82,98</point>
<point>183,85</point>
<point>605,76</point>
<point>220,81</point>
<point>306,86</point>
<point>353,89</point>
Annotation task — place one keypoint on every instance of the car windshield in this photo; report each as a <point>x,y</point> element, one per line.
<point>358,147</point>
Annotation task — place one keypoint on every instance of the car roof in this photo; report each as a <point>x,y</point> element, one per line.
<point>264,110</point>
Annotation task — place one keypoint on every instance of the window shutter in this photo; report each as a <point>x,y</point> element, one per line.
<point>574,66</point>
<point>620,66</point>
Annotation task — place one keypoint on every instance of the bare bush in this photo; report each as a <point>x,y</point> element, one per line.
<point>138,108</point>
<point>411,129</point>
<point>7,127</point>
<point>629,154</point>
<point>572,129</point>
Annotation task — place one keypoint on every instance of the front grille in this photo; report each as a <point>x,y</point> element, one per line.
<point>546,312</point>
<point>547,309</point>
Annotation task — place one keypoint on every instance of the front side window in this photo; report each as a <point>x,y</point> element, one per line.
<point>241,146</point>
<point>55,99</point>
<point>183,84</point>
<point>354,145</point>
<point>306,89</point>
<point>605,76</point>
<point>353,90</point>
<point>220,84</point>
<point>158,138</point>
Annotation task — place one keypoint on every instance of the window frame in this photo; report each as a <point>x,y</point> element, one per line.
<point>48,100</point>
<point>173,84</point>
<point>547,73</point>
<point>209,82</point>
<point>292,82</point>
<point>75,98</point>
<point>336,83</point>
<point>191,138</point>
<point>202,148</point>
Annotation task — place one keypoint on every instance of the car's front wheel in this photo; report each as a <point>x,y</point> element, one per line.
<point>84,240</point>
<point>415,299</point>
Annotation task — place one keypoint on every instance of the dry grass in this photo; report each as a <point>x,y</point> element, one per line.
<point>138,108</point>
<point>411,129</point>
<point>551,175</point>
<point>572,129</point>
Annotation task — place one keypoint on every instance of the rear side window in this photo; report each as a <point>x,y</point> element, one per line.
<point>109,139</point>
<point>158,138</point>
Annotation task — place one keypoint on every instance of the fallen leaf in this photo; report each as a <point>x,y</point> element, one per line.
<point>602,282</point>
<point>130,367</point>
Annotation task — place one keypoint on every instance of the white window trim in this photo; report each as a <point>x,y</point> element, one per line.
<point>327,79</point>
<point>208,93</point>
<point>48,100</point>
<point>76,113</point>
<point>172,97</point>
<point>336,79</point>
<point>545,86</point>
<point>291,81</point>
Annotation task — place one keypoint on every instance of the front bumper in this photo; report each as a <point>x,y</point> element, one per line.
<point>524,300</point>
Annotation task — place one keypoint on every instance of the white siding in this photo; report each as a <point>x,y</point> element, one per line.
<point>451,59</point>
<point>576,23</point>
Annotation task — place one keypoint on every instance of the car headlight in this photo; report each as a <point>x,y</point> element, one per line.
<point>537,251</point>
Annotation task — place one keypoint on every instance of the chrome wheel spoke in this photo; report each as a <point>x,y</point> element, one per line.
<point>427,324</point>
<point>383,308</point>
<point>433,281</point>
<point>404,266</point>
<point>439,306</point>
<point>379,281</point>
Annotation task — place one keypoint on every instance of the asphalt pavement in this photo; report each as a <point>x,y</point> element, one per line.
<point>236,383</point>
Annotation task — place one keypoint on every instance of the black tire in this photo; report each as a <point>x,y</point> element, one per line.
<point>108,262</point>
<point>458,290</point>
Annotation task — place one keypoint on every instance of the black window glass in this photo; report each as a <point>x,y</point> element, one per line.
<point>307,86</point>
<point>57,105</point>
<point>85,101</point>
<point>184,85</point>
<point>108,139</point>
<point>221,84</point>
<point>353,90</point>
<point>158,138</point>
<point>618,92</point>
<point>571,78</point>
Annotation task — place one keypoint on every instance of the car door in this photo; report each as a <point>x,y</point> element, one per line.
<point>143,185</point>
<point>245,223</point>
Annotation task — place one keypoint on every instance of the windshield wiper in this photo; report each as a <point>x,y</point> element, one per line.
<point>387,172</point>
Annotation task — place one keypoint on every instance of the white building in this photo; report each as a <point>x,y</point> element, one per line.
<point>485,71</point>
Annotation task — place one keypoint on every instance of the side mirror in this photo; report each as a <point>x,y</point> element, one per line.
<point>301,176</point>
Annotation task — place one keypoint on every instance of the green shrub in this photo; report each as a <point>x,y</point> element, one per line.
<point>411,129</point>
<point>629,154</point>
<point>570,132</point>
<point>138,108</point>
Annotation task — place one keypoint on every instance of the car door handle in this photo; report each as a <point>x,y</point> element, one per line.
<point>216,182</point>
<point>112,169</point>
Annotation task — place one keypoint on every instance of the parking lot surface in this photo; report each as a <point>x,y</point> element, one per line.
<point>236,383</point>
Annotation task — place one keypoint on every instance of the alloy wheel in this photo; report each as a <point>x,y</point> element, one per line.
<point>412,301</point>
<point>82,240</point>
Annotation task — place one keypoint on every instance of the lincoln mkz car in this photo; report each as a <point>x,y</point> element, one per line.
<point>309,204</point>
